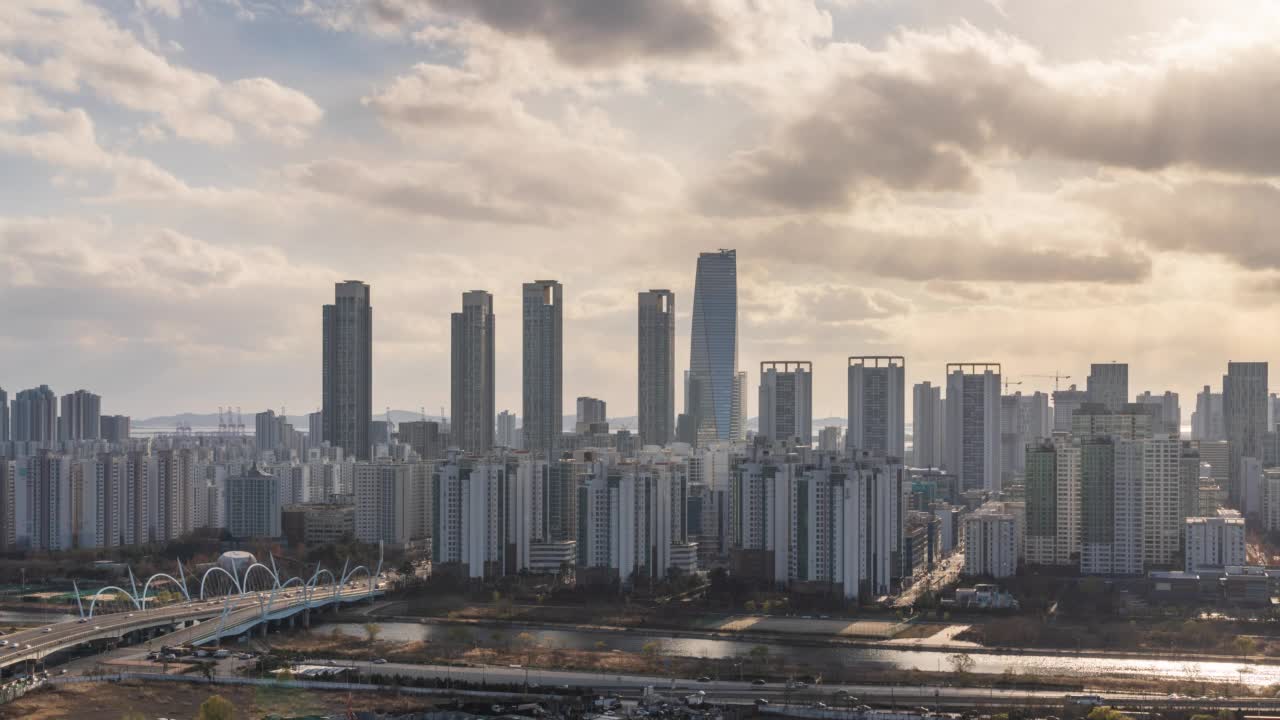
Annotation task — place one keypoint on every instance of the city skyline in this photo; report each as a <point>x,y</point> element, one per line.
<point>168,231</point>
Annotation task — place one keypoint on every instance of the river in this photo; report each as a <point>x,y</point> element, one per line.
<point>1252,674</point>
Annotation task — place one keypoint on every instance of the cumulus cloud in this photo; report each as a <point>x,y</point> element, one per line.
<point>925,114</point>
<point>595,32</point>
<point>83,46</point>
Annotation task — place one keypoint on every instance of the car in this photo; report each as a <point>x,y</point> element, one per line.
<point>761,701</point>
<point>820,706</point>
<point>97,627</point>
<point>82,621</point>
<point>4,643</point>
<point>28,646</point>
<point>47,630</point>
<point>380,661</point>
<point>759,681</point>
<point>129,615</point>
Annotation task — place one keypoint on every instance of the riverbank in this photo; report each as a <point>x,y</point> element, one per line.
<point>463,645</point>
<point>751,633</point>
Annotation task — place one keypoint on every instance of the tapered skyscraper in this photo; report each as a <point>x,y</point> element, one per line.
<point>347,392</point>
<point>714,391</point>
<point>472,366</point>
<point>657,377</point>
<point>543,366</point>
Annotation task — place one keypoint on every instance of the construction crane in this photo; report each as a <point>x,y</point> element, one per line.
<point>1007,383</point>
<point>1057,376</point>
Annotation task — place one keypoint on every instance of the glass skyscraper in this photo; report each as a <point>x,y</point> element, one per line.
<point>713,388</point>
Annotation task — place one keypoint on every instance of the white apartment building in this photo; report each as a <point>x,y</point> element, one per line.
<point>990,543</point>
<point>1214,543</point>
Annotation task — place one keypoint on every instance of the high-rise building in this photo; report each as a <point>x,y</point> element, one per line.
<point>253,505</point>
<point>426,438</point>
<point>388,498</point>
<point>507,430</point>
<point>81,412</point>
<point>593,416</point>
<point>1244,412</point>
<point>347,390</point>
<point>115,428</point>
<point>266,431</point>
<point>1042,502</point>
<point>927,423</point>
<point>829,439</point>
<point>1065,402</point>
<point>714,399</point>
<point>1023,419</point>
<point>1167,413</point>
<point>1206,420</point>
<point>4,417</point>
<point>1214,543</point>
<point>877,406</point>
<point>315,429</point>
<point>1161,507</point>
<point>991,542</point>
<point>543,415</point>
<point>786,401</point>
<point>973,425</point>
<point>1108,384</point>
<point>657,360</point>
<point>1111,513</point>
<point>35,417</point>
<point>472,370</point>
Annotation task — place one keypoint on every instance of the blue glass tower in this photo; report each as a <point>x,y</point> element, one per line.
<point>713,388</point>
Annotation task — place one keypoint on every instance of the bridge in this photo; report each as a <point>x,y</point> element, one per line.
<point>230,608</point>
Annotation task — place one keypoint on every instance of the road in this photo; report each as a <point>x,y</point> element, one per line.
<point>36,643</point>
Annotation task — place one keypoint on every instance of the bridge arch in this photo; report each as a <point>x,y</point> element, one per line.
<point>93,602</point>
<point>235,582</point>
<point>314,583</point>
<point>147,587</point>
<point>244,582</point>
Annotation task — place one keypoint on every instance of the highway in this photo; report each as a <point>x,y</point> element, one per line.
<point>243,613</point>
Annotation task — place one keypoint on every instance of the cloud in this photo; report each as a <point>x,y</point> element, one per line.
<point>485,157</point>
<point>952,252</point>
<point>926,113</point>
<point>82,46</point>
<point>1232,219</point>
<point>606,32</point>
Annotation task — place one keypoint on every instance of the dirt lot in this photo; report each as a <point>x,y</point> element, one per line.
<point>112,701</point>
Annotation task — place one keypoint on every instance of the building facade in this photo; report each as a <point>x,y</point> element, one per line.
<point>347,369</point>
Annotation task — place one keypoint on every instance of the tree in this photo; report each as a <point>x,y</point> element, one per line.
<point>216,708</point>
<point>759,653</point>
<point>133,716</point>
<point>1244,645</point>
<point>961,663</point>
<point>372,630</point>
<point>749,606</point>
<point>1103,712</point>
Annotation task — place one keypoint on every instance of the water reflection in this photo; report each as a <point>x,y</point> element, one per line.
<point>903,659</point>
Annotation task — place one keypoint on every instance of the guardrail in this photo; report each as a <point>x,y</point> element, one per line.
<point>296,684</point>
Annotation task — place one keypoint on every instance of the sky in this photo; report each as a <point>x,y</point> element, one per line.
<point>1032,182</point>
